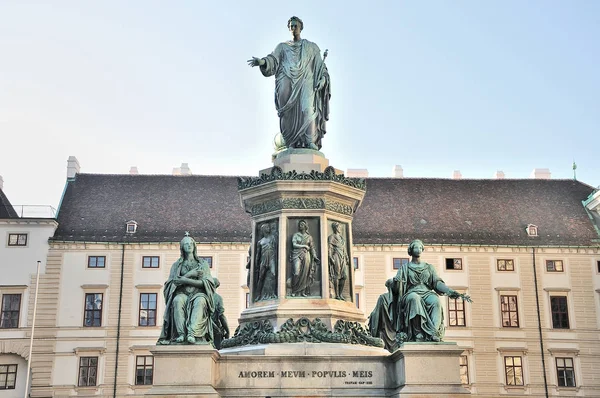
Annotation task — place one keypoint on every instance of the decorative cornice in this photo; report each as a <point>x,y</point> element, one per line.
<point>303,329</point>
<point>300,203</point>
<point>277,174</point>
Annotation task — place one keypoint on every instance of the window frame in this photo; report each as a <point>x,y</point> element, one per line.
<point>140,309</point>
<point>518,323</point>
<point>18,235</point>
<point>453,259</point>
<point>209,259</point>
<point>561,314</point>
<point>565,368</point>
<point>144,366</point>
<point>514,367</point>
<point>401,261</point>
<point>554,268</point>
<point>355,263</point>
<point>87,366</point>
<point>3,311</point>
<point>357,299</point>
<point>505,264</point>
<point>151,258</point>
<point>89,262</point>
<point>456,311</point>
<point>8,373</point>
<point>247,300</point>
<point>464,365</point>
<point>92,310</point>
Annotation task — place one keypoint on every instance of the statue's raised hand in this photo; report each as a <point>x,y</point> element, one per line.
<point>256,62</point>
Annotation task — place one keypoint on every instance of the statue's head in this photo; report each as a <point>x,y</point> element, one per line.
<point>295,21</point>
<point>188,245</point>
<point>415,248</point>
<point>336,227</point>
<point>265,229</point>
<point>302,226</point>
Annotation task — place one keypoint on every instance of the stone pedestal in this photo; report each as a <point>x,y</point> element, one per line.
<point>300,186</point>
<point>308,370</point>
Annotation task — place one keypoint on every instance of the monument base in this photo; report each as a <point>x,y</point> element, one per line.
<point>300,160</point>
<point>308,370</point>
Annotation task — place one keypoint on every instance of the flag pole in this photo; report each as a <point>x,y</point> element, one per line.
<point>37,284</point>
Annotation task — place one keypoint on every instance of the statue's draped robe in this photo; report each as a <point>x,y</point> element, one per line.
<point>302,111</point>
<point>302,263</point>
<point>381,323</point>
<point>338,257</point>
<point>197,304</point>
<point>416,295</point>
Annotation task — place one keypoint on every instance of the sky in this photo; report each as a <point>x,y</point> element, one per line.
<point>433,86</point>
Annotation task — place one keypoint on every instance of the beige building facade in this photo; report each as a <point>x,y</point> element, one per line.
<point>533,325</point>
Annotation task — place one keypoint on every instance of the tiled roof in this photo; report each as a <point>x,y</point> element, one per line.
<point>96,207</point>
<point>6,209</point>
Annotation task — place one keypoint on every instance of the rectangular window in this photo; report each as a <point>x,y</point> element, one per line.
<point>565,372</point>
<point>456,312</point>
<point>464,369</point>
<point>510,311</point>
<point>208,259</point>
<point>8,376</point>
<point>144,370</point>
<point>513,367</point>
<point>96,261</point>
<point>554,266</point>
<point>355,262</point>
<point>454,263</point>
<point>357,299</point>
<point>88,371</point>
<point>598,265</point>
<point>93,310</point>
<point>150,261</point>
<point>505,265</point>
<point>17,239</point>
<point>147,315</point>
<point>560,312</point>
<point>399,262</point>
<point>247,300</point>
<point>11,307</point>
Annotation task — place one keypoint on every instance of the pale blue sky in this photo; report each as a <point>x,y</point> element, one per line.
<point>477,86</point>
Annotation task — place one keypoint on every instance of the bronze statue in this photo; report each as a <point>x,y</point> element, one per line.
<point>220,325</point>
<point>189,296</point>
<point>302,88</point>
<point>266,261</point>
<point>338,261</point>
<point>412,307</point>
<point>304,260</point>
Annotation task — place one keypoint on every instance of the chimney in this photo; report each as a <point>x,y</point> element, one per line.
<point>499,175</point>
<point>134,171</point>
<point>184,170</point>
<point>357,173</point>
<point>541,174</point>
<point>72,167</point>
<point>397,172</point>
<point>456,175</point>
<point>1,183</point>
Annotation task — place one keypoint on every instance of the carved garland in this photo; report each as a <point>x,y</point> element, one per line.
<point>300,203</point>
<point>301,330</point>
<point>277,174</point>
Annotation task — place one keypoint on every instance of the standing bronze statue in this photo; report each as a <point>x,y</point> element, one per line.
<point>304,260</point>
<point>189,296</point>
<point>302,88</point>
<point>338,261</point>
<point>411,310</point>
<point>266,261</point>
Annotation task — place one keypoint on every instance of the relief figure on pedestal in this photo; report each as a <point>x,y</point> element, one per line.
<point>266,263</point>
<point>189,297</point>
<point>220,325</point>
<point>338,261</point>
<point>411,310</point>
<point>302,89</point>
<point>304,260</point>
